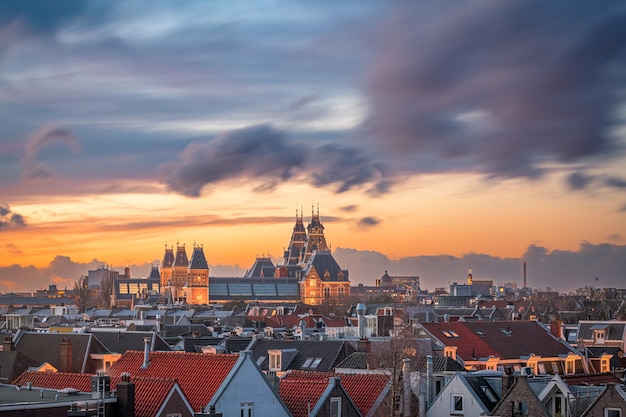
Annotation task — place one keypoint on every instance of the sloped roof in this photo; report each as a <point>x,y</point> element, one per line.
<point>503,339</point>
<point>331,352</point>
<point>120,342</point>
<point>324,261</point>
<point>262,267</point>
<point>45,347</point>
<point>13,363</point>
<point>445,364</point>
<point>168,258</point>
<point>181,257</point>
<point>198,375</point>
<point>617,329</point>
<point>364,389</point>
<point>300,399</point>
<point>198,260</point>
<point>149,392</point>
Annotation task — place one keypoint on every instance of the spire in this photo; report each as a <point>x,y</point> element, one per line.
<point>469,275</point>
<point>297,242</point>
<point>315,239</point>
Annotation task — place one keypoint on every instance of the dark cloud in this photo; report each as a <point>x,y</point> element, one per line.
<point>578,180</point>
<point>501,86</point>
<point>616,182</point>
<point>561,270</point>
<point>32,168</point>
<point>10,220</point>
<point>349,209</point>
<point>268,156</point>
<point>40,15</point>
<point>616,237</point>
<point>369,222</point>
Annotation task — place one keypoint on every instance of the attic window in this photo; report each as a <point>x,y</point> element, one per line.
<point>479,332</point>
<point>316,363</point>
<point>260,360</point>
<point>449,333</point>
<point>492,397</point>
<point>307,362</point>
<point>506,332</point>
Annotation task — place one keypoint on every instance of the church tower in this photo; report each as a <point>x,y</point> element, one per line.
<point>197,286</point>
<point>470,280</point>
<point>315,236</point>
<point>179,273</point>
<point>166,268</point>
<point>297,242</point>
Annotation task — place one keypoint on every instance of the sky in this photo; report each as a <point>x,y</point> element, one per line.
<point>431,137</point>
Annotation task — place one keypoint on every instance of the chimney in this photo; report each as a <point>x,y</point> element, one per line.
<point>65,355</point>
<point>211,413</point>
<point>127,272</point>
<point>146,352</point>
<point>125,396</point>
<point>360,312</point>
<point>556,329</point>
<point>508,380</point>
<point>100,386</point>
<point>7,344</point>
<point>274,382</point>
<point>406,378</point>
<point>364,345</point>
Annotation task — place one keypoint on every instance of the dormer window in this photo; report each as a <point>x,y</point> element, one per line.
<point>275,361</point>
<point>326,275</point>
<point>450,352</point>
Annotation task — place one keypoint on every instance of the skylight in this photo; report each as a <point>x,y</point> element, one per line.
<point>315,363</point>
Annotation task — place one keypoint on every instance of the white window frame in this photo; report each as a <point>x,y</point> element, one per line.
<point>607,410</point>
<point>275,361</point>
<point>453,404</point>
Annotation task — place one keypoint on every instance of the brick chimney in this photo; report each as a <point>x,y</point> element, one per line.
<point>65,355</point>
<point>125,396</point>
<point>7,344</point>
<point>364,345</point>
<point>556,329</point>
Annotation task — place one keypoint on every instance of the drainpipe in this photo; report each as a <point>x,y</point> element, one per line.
<point>429,380</point>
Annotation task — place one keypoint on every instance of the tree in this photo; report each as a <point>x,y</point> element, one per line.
<point>81,293</point>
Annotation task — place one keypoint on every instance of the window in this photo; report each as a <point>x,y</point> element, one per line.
<point>260,360</point>
<point>313,282</point>
<point>520,408</point>
<point>274,361</point>
<point>326,292</point>
<point>316,363</point>
<point>605,365</point>
<point>570,367</point>
<point>335,407</point>
<point>307,362</point>
<point>456,404</point>
<point>612,412</point>
<point>247,410</point>
<point>340,291</point>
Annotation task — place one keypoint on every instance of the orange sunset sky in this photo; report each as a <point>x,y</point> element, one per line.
<point>430,136</point>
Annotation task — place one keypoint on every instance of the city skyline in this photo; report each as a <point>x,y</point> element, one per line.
<point>430,136</point>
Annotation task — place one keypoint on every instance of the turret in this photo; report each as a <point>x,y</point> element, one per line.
<point>315,236</point>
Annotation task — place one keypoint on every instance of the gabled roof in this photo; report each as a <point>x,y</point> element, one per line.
<point>330,353</point>
<point>365,390</point>
<point>45,347</point>
<point>150,393</point>
<point>502,339</point>
<point>120,342</point>
<point>199,375</point>
<point>13,363</point>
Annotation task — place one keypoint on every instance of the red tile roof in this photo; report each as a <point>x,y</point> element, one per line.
<point>199,375</point>
<point>502,339</point>
<point>591,379</point>
<point>301,399</point>
<point>150,393</point>
<point>297,388</point>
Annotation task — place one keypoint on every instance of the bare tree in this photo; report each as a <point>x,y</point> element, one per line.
<point>81,293</point>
